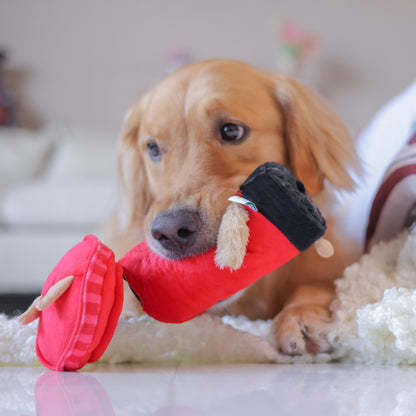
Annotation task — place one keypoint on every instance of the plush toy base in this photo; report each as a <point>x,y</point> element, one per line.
<point>78,327</point>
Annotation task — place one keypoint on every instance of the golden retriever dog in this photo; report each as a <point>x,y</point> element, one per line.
<point>191,141</point>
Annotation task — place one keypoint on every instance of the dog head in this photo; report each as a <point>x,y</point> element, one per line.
<point>188,143</point>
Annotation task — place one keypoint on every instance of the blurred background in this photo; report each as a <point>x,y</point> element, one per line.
<point>84,61</point>
<point>70,69</point>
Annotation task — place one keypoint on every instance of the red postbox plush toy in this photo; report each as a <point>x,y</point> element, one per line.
<point>82,298</point>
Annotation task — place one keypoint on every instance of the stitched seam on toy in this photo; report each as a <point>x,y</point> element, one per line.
<point>62,362</point>
<point>66,360</point>
<point>76,348</point>
<point>85,337</point>
<point>83,340</point>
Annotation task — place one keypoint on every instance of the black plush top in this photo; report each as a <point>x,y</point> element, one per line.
<point>281,198</point>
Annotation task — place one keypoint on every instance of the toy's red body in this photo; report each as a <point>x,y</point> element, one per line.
<point>77,328</point>
<point>176,291</point>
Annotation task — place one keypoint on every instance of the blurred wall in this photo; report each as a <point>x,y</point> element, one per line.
<point>83,62</point>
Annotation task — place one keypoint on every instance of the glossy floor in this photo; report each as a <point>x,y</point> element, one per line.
<point>261,390</point>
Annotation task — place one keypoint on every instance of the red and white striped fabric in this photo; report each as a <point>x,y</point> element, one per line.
<point>78,327</point>
<point>394,206</point>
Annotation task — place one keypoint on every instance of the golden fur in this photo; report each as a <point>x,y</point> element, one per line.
<point>287,123</point>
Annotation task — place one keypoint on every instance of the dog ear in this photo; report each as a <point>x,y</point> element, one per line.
<point>134,193</point>
<point>319,144</point>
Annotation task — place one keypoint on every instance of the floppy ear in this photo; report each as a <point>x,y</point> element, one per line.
<point>134,192</point>
<point>319,144</point>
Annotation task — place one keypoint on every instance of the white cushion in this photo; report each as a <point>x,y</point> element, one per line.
<point>23,153</point>
<point>77,187</point>
<point>83,156</point>
<point>77,204</point>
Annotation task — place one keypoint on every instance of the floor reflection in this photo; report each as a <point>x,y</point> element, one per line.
<point>70,394</point>
<point>331,389</point>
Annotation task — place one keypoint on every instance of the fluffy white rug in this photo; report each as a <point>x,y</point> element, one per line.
<point>375,322</point>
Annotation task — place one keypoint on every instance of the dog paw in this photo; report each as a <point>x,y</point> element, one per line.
<point>302,330</point>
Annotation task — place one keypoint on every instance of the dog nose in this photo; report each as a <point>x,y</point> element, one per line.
<point>176,230</point>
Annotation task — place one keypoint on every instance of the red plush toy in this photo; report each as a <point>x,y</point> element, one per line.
<point>82,298</point>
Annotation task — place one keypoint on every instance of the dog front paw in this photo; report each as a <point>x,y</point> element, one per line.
<point>302,330</point>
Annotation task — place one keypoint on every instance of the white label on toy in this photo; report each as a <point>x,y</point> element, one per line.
<point>243,201</point>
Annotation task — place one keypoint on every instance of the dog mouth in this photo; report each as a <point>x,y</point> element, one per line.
<point>182,232</point>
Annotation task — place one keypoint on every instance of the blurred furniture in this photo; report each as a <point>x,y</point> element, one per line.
<point>56,185</point>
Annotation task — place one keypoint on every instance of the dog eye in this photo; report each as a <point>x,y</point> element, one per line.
<point>154,151</point>
<point>232,132</point>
